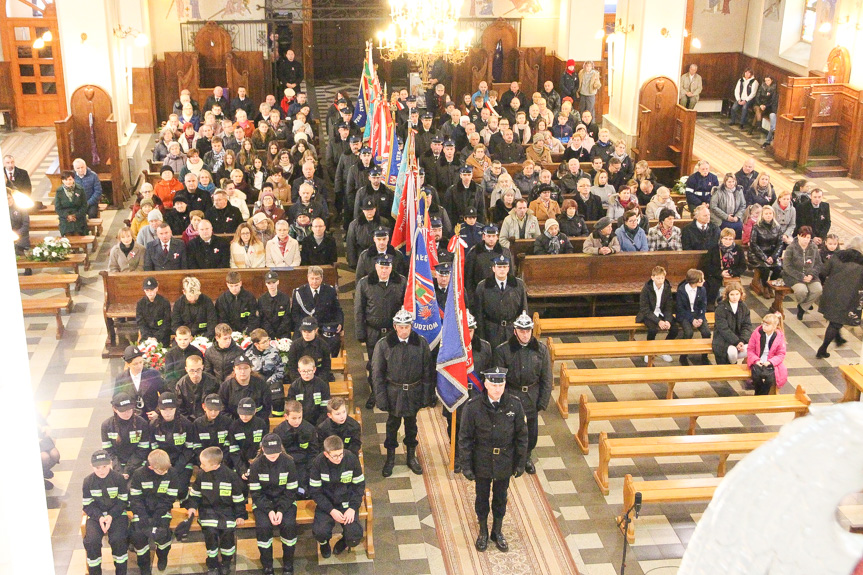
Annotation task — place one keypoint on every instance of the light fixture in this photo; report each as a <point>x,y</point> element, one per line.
<point>825,28</point>
<point>122,32</point>
<point>599,34</point>
<point>695,43</point>
<point>22,201</point>
<point>619,28</point>
<point>665,33</point>
<point>41,40</point>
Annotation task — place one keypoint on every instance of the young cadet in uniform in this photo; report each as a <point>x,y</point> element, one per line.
<point>267,363</point>
<point>244,383</point>
<point>381,238</point>
<point>152,492</point>
<point>106,494</point>
<point>311,391</point>
<point>175,358</point>
<point>379,296</point>
<point>219,358</point>
<point>498,302</point>
<point>212,428</point>
<point>193,387</point>
<point>528,376</point>
<point>469,230</point>
<point>309,344</point>
<point>175,435</point>
<point>273,487</point>
<point>153,314</point>
<point>194,310</point>
<point>300,441</point>
<point>245,436</point>
<point>338,486</point>
<point>237,307</point>
<point>492,447</point>
<point>316,299</point>
<point>338,423</point>
<point>275,308</point>
<point>216,497</point>
<point>125,436</point>
<point>142,385</point>
<point>404,383</point>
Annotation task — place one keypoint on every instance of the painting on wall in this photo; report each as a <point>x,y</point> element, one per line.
<point>718,7</point>
<point>185,10</point>
<point>500,8</point>
<point>772,9</point>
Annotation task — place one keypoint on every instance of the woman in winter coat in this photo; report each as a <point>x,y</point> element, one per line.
<point>631,237</point>
<point>569,82</point>
<point>552,242</point>
<point>733,327</point>
<point>620,203</point>
<point>724,260</point>
<point>785,215</point>
<point>247,251</point>
<point>761,191</point>
<point>127,255</point>
<point>840,302</point>
<point>765,247</point>
<point>727,205</point>
<point>662,199</point>
<point>801,266</point>
<point>283,250</point>
<point>601,242</point>
<point>571,223</point>
<point>765,355</point>
<point>665,236</point>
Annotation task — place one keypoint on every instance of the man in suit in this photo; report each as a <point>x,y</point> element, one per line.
<point>241,102</point>
<point>208,251</point>
<point>165,253</point>
<point>218,97</point>
<point>690,87</point>
<point>16,178</point>
<point>318,300</point>
<point>310,177</point>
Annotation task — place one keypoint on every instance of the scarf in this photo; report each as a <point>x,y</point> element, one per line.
<point>283,244</point>
<point>604,241</point>
<point>732,201</point>
<point>727,256</point>
<point>631,233</point>
<point>666,233</point>
<point>218,160</point>
<point>620,157</point>
<point>191,232</point>
<point>554,244</point>
<point>126,250</point>
<point>209,188</point>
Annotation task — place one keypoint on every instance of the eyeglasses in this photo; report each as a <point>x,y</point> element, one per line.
<point>195,370</point>
<point>306,371</point>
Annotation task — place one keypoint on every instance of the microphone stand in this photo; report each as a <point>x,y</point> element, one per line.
<point>625,521</point>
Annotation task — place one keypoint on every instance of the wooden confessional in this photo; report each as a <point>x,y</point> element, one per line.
<point>666,130</point>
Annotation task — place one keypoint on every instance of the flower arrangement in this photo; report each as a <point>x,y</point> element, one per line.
<point>241,340</point>
<point>680,186</point>
<point>51,250</point>
<point>284,346</point>
<point>154,353</point>
<point>202,343</point>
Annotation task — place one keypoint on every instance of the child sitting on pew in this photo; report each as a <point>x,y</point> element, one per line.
<point>300,440</point>
<point>692,309</point>
<point>338,423</point>
<point>311,391</point>
<point>766,355</point>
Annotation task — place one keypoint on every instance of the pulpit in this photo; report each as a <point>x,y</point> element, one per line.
<point>666,130</point>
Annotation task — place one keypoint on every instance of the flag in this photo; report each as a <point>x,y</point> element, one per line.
<point>391,173</point>
<point>405,162</point>
<point>420,295</point>
<point>360,116</point>
<point>382,124</point>
<point>455,358</point>
<point>402,237</point>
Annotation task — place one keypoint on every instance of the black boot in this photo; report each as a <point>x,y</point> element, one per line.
<point>529,465</point>
<point>288,560</point>
<point>326,551</point>
<point>822,352</point>
<point>800,313</point>
<point>162,559</point>
<point>497,534</point>
<point>482,540</point>
<point>340,546</point>
<point>704,359</point>
<point>225,567</point>
<point>840,341</point>
<point>146,568</point>
<point>370,402</point>
<point>389,463</point>
<point>413,462</point>
<point>684,360</point>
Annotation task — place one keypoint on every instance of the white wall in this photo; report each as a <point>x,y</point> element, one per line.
<point>764,37</point>
<point>720,32</point>
<point>577,24</point>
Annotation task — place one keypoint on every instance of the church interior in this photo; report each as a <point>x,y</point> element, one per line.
<point>101,82</point>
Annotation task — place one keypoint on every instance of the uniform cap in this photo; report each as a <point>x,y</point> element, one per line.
<point>246,406</point>
<point>381,232</point>
<point>414,112</point>
<point>465,170</point>
<point>470,212</point>
<point>344,126</point>
<point>523,321</point>
<point>500,260</point>
<point>495,375</point>
<point>471,321</point>
<point>354,139</point>
<point>384,260</point>
<point>448,144</point>
<point>428,116</point>
<point>490,230</point>
<point>271,444</point>
<point>375,171</point>
<point>100,457</point>
<point>271,277</point>
<point>242,360</point>
<point>436,223</point>
<point>131,352</point>
<point>368,204</point>
<point>122,402</point>
<point>403,317</point>
<point>421,172</point>
<point>443,268</point>
<point>365,150</point>
<point>150,283</point>
<point>167,400</point>
<point>309,323</point>
<point>330,330</point>
<point>213,401</point>
<point>437,140</point>
<point>411,98</point>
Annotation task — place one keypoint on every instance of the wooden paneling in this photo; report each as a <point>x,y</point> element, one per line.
<point>720,71</point>
<point>7,94</point>
<point>143,108</point>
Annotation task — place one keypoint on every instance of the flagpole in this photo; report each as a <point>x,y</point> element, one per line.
<point>454,413</point>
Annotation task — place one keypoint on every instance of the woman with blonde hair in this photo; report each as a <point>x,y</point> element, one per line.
<point>247,251</point>
<point>194,310</point>
<point>662,199</point>
<point>127,255</point>
<point>283,250</point>
<point>504,183</point>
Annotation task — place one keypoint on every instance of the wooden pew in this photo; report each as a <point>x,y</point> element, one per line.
<point>123,290</point>
<point>610,349</point>
<point>48,281</point>
<point>73,262</point>
<point>669,375</point>
<point>567,325</point>
<point>722,445</point>
<point>48,306</point>
<point>86,244</point>
<point>339,365</point>
<point>691,408</point>
<point>853,375</point>
<point>49,223</point>
<point>665,491</point>
<point>555,280</point>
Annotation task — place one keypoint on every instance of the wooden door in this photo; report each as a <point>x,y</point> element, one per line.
<point>37,74</point>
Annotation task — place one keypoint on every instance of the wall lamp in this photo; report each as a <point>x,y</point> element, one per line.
<point>122,32</point>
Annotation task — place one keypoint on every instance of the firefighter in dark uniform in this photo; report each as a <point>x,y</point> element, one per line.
<point>273,487</point>
<point>153,314</point>
<point>106,494</point>
<point>360,232</point>
<point>142,384</point>
<point>499,300</point>
<point>317,299</point>
<point>309,342</point>
<point>275,308</point>
<point>470,230</point>
<point>381,238</point>
<point>237,307</point>
<point>462,195</point>
<point>528,376</point>
<point>379,296</point>
<point>478,260</point>
<point>443,273</point>
<point>125,436</point>
<point>404,383</point>
<point>175,435</point>
<point>152,492</point>
<point>440,242</point>
<point>492,448</point>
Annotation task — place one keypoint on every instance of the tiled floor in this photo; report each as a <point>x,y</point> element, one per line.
<point>72,376</point>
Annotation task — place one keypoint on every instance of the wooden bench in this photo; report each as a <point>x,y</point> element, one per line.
<point>49,209</point>
<point>853,375</point>
<point>669,375</point>
<point>592,325</point>
<point>86,244</point>
<point>123,290</point>
<point>665,491</point>
<point>48,306</point>
<point>73,262</point>
<point>339,365</point>
<point>555,280</point>
<point>610,349</point>
<point>691,408</point>
<point>677,445</point>
<point>49,223</point>
<point>48,281</point>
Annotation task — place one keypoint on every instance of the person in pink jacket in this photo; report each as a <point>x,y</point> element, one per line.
<point>766,355</point>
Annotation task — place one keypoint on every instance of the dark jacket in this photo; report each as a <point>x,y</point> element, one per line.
<point>841,296</point>
<point>199,317</point>
<point>318,349</point>
<point>20,180</point>
<point>816,218</point>
<point>767,96</point>
<point>765,242</point>
<point>590,209</point>
<point>245,440</point>
<point>155,258</point>
<point>190,396</point>
<point>569,85</point>
<point>225,220</point>
<point>218,497</point>
<point>685,313</point>
<point>273,484</point>
<point>716,265</point>
<point>529,376</point>
<point>572,227</point>
<point>208,255</point>
<point>238,311</point>
<point>176,438</point>
<point>698,188</point>
<point>175,364</point>
<point>458,199</point>
<point>275,314</point>
<point>485,429</point>
<point>512,153</point>
<point>313,253</point>
<point>478,267</point>
<point>375,304</point>
<point>337,485</point>
<point>178,221</point>
<point>349,431</point>
<point>126,441</point>
<point>327,309</point>
<point>154,318</point>
<point>232,392</point>
<point>495,310</point>
<point>403,375</point>
<point>360,238</point>
<point>730,329</point>
<point>647,303</point>
<point>147,395</point>
<point>693,238</point>
<point>313,395</point>
<point>797,263</point>
<point>541,245</point>
<point>746,181</point>
<point>219,362</point>
<point>151,496</point>
<point>366,262</point>
<point>105,496</point>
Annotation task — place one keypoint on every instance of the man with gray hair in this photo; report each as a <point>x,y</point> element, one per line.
<point>701,234</point>
<point>89,181</point>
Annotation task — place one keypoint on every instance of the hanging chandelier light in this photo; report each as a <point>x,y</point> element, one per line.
<point>423,32</point>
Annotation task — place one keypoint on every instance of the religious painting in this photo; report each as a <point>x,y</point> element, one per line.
<point>718,7</point>
<point>500,8</point>
<point>772,9</point>
<point>213,10</point>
